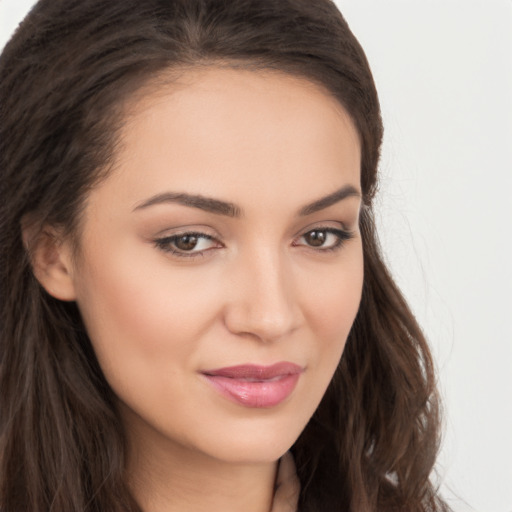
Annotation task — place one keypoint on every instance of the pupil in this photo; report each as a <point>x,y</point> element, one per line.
<point>186,242</point>
<point>316,238</point>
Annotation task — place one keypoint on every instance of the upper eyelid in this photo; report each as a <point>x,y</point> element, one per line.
<point>341,233</point>
<point>165,244</point>
<point>165,234</point>
<point>197,234</point>
<point>328,229</point>
<point>171,237</point>
<point>185,230</point>
<point>319,225</point>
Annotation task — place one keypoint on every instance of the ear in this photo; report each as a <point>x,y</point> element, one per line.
<point>51,259</point>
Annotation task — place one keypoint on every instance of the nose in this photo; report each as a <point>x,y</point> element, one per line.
<point>262,299</point>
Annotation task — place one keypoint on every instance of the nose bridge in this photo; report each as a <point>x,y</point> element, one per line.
<point>263,303</point>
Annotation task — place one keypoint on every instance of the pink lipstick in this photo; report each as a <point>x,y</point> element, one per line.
<point>255,386</point>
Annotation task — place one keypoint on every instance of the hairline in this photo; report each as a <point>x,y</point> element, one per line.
<point>158,83</point>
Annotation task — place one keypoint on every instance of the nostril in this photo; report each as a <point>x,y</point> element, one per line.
<point>262,302</point>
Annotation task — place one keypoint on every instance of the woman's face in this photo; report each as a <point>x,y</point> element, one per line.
<point>221,262</point>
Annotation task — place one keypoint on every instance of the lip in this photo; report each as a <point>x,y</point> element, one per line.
<point>255,386</point>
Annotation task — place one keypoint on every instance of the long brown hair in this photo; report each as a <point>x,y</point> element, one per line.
<point>65,77</point>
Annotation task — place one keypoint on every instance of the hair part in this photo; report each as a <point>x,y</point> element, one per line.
<point>68,77</point>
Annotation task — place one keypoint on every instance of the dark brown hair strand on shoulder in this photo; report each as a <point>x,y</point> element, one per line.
<point>66,77</point>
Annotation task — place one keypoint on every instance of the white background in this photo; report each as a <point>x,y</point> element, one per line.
<point>444,73</point>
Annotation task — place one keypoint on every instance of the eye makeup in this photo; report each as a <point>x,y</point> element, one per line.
<point>191,244</point>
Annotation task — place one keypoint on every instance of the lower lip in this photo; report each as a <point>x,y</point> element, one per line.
<point>265,393</point>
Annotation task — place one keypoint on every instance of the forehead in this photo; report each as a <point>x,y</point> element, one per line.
<point>220,132</point>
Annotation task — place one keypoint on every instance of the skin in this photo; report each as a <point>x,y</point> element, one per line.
<point>257,291</point>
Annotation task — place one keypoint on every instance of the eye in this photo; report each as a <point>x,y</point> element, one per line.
<point>187,244</point>
<point>324,239</point>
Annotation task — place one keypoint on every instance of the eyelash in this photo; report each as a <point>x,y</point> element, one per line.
<point>165,244</point>
<point>341,235</point>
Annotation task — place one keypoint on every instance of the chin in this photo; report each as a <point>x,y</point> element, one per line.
<point>256,443</point>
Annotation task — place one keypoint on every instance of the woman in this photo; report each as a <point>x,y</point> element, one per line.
<point>192,284</point>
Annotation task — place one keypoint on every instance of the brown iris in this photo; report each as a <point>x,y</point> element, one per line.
<point>315,238</point>
<point>186,242</point>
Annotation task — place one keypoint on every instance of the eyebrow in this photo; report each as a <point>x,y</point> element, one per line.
<point>228,209</point>
<point>194,201</point>
<point>331,199</point>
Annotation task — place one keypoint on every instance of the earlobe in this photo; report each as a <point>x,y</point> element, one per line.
<point>51,261</point>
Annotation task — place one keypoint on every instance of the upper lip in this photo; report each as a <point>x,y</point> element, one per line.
<point>254,371</point>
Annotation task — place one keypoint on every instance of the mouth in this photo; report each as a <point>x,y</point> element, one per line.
<point>254,385</point>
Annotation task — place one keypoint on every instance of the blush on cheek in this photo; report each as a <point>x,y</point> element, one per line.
<point>117,308</point>
<point>336,306</point>
<point>151,311</point>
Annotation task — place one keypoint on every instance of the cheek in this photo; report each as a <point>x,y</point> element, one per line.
<point>138,314</point>
<point>334,299</point>
<point>331,302</point>
<point>333,305</point>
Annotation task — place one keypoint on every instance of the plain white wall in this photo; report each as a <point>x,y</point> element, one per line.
<point>444,73</point>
